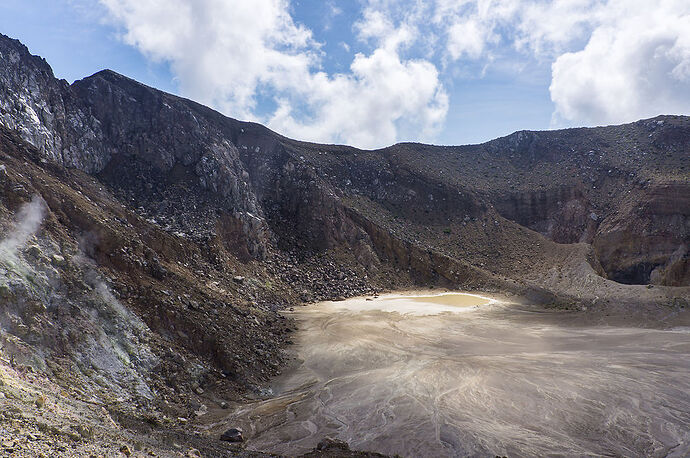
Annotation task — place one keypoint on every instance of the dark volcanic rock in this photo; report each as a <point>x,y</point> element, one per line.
<point>232,435</point>
<point>334,448</point>
<point>46,113</point>
<point>332,444</point>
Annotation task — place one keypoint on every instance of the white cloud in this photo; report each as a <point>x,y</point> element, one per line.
<point>332,12</point>
<point>613,61</point>
<point>468,37</point>
<point>381,97</point>
<point>632,67</point>
<point>224,52</point>
<point>378,26</point>
<point>474,27</point>
<point>549,28</point>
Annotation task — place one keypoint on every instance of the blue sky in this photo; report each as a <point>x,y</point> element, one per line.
<point>77,42</point>
<point>374,72</point>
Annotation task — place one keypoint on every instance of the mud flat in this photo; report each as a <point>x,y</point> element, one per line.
<point>458,375</point>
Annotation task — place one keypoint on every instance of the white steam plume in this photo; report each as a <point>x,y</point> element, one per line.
<point>29,219</point>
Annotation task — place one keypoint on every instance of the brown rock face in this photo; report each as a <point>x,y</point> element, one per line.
<point>564,215</point>
<point>647,241</point>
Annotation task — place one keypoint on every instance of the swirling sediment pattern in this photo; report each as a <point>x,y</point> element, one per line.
<point>409,376</point>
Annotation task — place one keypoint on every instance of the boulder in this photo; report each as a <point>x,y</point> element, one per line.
<point>57,260</point>
<point>34,251</point>
<point>332,444</point>
<point>232,435</point>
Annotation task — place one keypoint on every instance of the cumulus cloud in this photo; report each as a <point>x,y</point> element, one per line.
<point>632,67</point>
<point>474,28</point>
<point>227,53</point>
<point>381,97</point>
<point>220,51</point>
<point>468,37</point>
<point>612,60</point>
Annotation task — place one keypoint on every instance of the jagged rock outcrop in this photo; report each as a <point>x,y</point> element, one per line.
<point>46,113</point>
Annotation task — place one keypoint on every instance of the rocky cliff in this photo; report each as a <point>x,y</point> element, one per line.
<point>149,242</point>
<point>570,186</point>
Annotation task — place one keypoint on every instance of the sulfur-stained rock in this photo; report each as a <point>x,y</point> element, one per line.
<point>34,251</point>
<point>58,260</point>
<point>5,292</point>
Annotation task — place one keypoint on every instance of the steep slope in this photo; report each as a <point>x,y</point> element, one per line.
<point>567,185</point>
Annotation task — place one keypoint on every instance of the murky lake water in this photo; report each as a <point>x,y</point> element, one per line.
<point>460,375</point>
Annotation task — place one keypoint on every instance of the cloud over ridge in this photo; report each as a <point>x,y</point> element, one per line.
<point>225,53</point>
<point>610,61</point>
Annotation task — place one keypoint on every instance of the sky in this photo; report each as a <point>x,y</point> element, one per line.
<point>371,73</point>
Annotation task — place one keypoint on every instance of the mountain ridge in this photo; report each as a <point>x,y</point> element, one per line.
<point>109,114</point>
